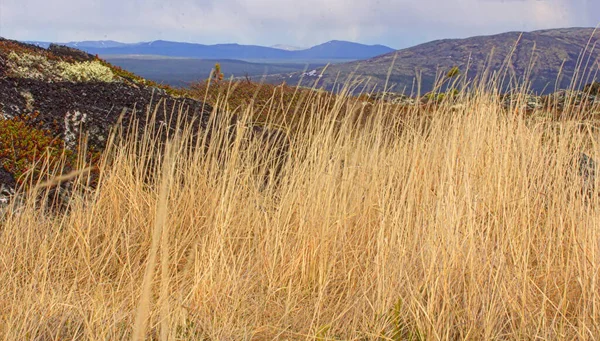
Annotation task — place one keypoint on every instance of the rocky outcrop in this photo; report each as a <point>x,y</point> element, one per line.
<point>70,109</point>
<point>556,102</point>
<point>70,53</point>
<point>50,98</point>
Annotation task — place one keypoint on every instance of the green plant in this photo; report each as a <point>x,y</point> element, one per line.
<point>454,72</point>
<point>400,330</point>
<point>322,333</point>
<point>218,75</point>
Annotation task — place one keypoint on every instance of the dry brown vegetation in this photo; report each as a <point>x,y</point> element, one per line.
<point>464,223</point>
<point>280,105</point>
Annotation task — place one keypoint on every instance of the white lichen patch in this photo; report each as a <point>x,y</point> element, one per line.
<point>30,66</point>
<point>29,101</point>
<point>38,67</point>
<point>74,121</point>
<point>5,194</point>
<point>85,72</point>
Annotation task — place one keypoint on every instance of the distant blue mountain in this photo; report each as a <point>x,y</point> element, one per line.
<point>337,49</point>
<point>334,49</point>
<point>43,44</point>
<point>82,44</point>
<point>96,44</point>
<point>176,49</point>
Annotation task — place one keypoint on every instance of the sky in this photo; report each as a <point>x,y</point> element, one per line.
<point>304,23</point>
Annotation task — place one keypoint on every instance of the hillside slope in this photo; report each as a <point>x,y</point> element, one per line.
<point>548,51</point>
<point>51,97</point>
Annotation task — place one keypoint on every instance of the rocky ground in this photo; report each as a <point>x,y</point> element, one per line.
<point>43,104</point>
<point>588,97</point>
<point>67,108</point>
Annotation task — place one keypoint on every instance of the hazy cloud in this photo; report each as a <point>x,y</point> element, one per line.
<point>397,23</point>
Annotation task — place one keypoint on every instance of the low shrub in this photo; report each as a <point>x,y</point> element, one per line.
<point>23,145</point>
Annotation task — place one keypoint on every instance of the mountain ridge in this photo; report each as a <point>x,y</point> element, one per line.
<point>334,49</point>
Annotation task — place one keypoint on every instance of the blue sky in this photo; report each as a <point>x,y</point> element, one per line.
<point>396,23</point>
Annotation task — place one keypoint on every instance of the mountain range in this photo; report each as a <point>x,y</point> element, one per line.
<point>548,59</point>
<point>331,50</point>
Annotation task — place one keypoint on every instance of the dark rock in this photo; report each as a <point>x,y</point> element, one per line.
<point>70,53</point>
<point>69,109</point>
<point>587,172</point>
<point>7,186</point>
<point>592,88</point>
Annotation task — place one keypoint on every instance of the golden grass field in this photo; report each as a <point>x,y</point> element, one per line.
<point>440,223</point>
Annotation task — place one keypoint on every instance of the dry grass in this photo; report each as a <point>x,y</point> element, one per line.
<point>460,224</point>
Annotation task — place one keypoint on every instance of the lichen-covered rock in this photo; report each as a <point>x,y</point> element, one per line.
<point>49,99</point>
<point>519,101</point>
<point>393,98</point>
<point>7,187</point>
<point>58,114</point>
<point>70,110</point>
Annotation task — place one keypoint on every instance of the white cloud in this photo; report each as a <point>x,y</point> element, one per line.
<point>300,22</point>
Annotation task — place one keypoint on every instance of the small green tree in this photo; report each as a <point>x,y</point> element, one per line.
<point>218,75</point>
<point>454,72</point>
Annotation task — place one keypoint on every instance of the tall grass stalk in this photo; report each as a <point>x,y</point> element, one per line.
<point>436,223</point>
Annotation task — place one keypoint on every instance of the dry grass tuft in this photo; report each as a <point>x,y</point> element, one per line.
<point>449,224</point>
